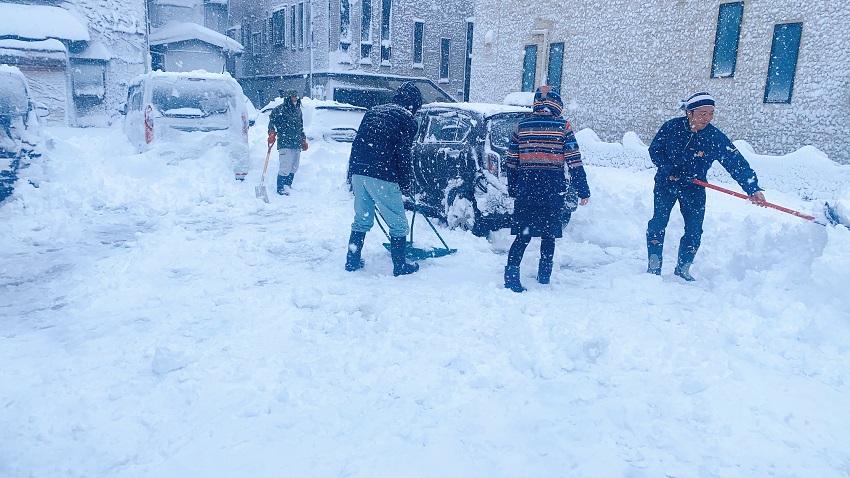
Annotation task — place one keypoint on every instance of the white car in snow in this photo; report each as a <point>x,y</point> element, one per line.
<point>20,137</point>
<point>326,119</point>
<point>196,106</point>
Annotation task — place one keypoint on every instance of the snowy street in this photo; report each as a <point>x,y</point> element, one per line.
<point>158,320</point>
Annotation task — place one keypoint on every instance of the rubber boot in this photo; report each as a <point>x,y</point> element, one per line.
<point>512,279</point>
<point>281,182</point>
<point>353,261</point>
<point>654,249</point>
<point>400,264</point>
<point>683,270</point>
<point>544,270</point>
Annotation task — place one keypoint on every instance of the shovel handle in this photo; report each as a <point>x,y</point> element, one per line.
<point>765,204</point>
<point>268,153</point>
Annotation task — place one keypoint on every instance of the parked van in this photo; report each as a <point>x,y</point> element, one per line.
<point>20,138</point>
<point>193,106</point>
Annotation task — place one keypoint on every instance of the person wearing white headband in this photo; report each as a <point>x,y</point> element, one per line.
<point>683,150</point>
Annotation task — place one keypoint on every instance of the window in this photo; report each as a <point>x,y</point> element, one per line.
<point>448,127</point>
<point>529,68</point>
<point>308,27</point>
<point>344,25</point>
<point>729,18</point>
<point>783,62</point>
<point>256,43</point>
<point>365,29</point>
<point>279,27</point>
<point>215,16</point>
<point>301,25</point>
<point>89,78</point>
<point>418,35</point>
<point>445,50</point>
<point>292,41</point>
<point>386,44</point>
<point>556,66</point>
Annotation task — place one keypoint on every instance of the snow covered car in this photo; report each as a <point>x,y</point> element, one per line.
<point>20,138</point>
<point>327,119</point>
<point>459,165</point>
<point>193,106</point>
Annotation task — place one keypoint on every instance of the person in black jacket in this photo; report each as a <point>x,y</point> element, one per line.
<point>381,169</point>
<point>286,126</point>
<point>683,150</point>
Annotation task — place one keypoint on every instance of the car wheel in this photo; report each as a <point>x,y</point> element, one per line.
<point>460,211</point>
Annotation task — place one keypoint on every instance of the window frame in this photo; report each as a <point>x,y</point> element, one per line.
<point>419,48</point>
<point>556,85</point>
<point>530,52</point>
<point>445,59</point>
<point>774,69</point>
<point>726,44</point>
<point>293,40</point>
<point>386,32</point>
<point>366,15</point>
<point>279,26</point>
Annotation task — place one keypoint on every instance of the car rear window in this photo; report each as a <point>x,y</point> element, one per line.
<point>187,97</point>
<point>501,128</point>
<point>13,96</point>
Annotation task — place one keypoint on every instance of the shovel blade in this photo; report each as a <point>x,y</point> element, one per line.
<point>418,254</point>
<point>262,193</point>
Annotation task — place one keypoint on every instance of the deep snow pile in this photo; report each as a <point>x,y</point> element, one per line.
<point>156,319</point>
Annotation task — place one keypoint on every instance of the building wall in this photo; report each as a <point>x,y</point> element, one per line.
<point>628,62</point>
<point>442,20</point>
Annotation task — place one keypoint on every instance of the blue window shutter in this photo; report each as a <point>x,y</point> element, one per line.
<point>556,66</point>
<point>529,68</point>
<point>726,39</point>
<point>783,62</point>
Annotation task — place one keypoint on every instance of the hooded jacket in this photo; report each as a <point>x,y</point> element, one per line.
<point>287,121</point>
<point>381,149</point>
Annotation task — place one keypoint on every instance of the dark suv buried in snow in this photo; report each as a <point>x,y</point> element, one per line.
<point>459,168</point>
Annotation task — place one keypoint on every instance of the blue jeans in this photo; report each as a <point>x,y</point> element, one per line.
<point>370,193</point>
<point>691,201</point>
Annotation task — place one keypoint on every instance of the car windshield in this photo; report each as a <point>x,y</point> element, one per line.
<point>192,97</point>
<point>501,128</point>
<point>13,95</point>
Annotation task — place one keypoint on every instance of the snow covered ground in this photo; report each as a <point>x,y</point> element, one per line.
<point>157,320</point>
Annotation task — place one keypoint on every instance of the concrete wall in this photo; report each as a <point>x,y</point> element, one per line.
<point>627,62</point>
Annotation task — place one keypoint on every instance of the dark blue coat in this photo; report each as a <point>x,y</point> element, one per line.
<point>676,151</point>
<point>381,148</point>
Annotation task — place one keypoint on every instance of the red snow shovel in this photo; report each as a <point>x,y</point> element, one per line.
<point>765,204</point>
<point>261,189</point>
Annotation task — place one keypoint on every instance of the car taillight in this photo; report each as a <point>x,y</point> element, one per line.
<point>245,126</point>
<point>493,160</point>
<point>148,124</point>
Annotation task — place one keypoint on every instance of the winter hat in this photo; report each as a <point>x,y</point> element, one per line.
<point>291,93</point>
<point>696,100</point>
<point>546,98</point>
<point>408,96</point>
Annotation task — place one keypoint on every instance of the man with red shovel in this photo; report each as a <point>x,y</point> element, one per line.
<point>683,150</point>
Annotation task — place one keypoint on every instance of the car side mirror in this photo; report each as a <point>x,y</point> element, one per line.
<point>40,109</point>
<point>123,108</point>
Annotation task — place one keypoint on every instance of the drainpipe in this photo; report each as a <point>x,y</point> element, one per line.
<point>310,32</point>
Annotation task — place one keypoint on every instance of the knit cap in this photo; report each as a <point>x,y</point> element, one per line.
<point>547,98</point>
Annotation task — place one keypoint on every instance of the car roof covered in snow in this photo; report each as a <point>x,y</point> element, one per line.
<point>319,104</point>
<point>176,75</point>
<point>484,109</point>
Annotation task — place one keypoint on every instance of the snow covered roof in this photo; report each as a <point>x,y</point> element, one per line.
<point>173,32</point>
<point>45,49</point>
<point>39,22</point>
<point>520,98</point>
<point>485,109</point>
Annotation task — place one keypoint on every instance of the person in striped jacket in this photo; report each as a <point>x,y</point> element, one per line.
<point>537,154</point>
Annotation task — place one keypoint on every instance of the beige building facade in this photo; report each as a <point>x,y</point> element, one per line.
<point>779,69</point>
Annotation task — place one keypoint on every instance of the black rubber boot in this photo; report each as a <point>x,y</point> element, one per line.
<point>400,265</point>
<point>281,182</point>
<point>512,279</point>
<point>353,261</point>
<point>654,249</point>
<point>544,270</point>
<point>289,179</point>
<point>683,270</point>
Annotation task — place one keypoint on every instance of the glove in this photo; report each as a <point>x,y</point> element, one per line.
<point>272,136</point>
<point>303,144</point>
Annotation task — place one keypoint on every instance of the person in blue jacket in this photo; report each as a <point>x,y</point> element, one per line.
<point>381,169</point>
<point>683,150</point>
<point>538,151</point>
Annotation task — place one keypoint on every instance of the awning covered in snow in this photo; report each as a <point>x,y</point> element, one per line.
<point>34,50</point>
<point>173,32</point>
<point>39,22</point>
